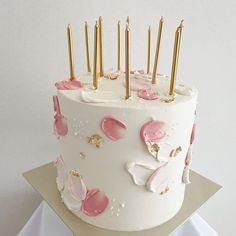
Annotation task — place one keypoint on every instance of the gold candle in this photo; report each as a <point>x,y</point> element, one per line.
<point>149,50</point>
<point>70,49</point>
<point>180,29</point>
<point>87,46</point>
<point>181,26</point>
<point>127,62</point>
<point>100,47</point>
<point>154,73</point>
<point>118,46</point>
<point>95,61</point>
<point>127,20</point>
<point>175,60</point>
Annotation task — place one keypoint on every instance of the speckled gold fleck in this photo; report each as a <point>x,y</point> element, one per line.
<point>82,155</point>
<point>168,100</point>
<point>175,152</point>
<point>96,140</point>
<point>75,173</point>
<point>165,191</point>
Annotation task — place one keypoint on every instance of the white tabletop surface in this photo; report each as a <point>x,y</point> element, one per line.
<point>33,56</point>
<point>44,222</point>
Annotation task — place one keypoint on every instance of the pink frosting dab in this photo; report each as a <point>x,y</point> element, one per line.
<point>153,131</point>
<point>158,179</point>
<point>193,134</point>
<point>68,85</point>
<point>148,94</point>
<point>95,202</point>
<point>60,125</point>
<point>113,128</point>
<point>60,122</point>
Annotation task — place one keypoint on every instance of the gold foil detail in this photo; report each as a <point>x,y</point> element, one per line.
<point>153,149</point>
<point>96,140</point>
<point>111,76</point>
<point>165,191</point>
<point>82,155</point>
<point>168,99</point>
<point>175,152</point>
<point>75,173</point>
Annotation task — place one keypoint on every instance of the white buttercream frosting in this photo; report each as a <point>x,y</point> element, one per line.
<point>111,93</point>
<point>94,96</point>
<point>105,167</point>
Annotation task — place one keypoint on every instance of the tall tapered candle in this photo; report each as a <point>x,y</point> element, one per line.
<point>118,46</point>
<point>87,47</point>
<point>127,20</point>
<point>101,47</point>
<point>127,62</point>
<point>149,50</point>
<point>181,26</point>
<point>70,49</point>
<point>175,60</point>
<point>154,73</point>
<point>95,53</point>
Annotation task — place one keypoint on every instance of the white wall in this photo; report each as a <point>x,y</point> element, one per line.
<point>33,55</point>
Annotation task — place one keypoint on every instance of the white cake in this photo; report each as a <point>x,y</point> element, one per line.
<point>124,163</point>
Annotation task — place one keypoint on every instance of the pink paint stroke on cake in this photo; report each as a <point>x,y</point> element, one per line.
<point>68,85</point>
<point>61,173</point>
<point>76,195</point>
<point>60,122</point>
<point>77,187</point>
<point>157,182</point>
<point>113,128</point>
<point>148,94</point>
<point>95,202</point>
<point>188,158</point>
<point>153,131</point>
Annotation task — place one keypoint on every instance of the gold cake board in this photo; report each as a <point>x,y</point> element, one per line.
<point>42,180</point>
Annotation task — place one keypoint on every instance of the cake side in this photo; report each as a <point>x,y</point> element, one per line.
<point>123,162</point>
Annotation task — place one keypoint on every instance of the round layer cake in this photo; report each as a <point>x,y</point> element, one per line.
<point>124,163</point>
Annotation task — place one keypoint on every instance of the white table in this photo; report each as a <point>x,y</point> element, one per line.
<point>44,222</point>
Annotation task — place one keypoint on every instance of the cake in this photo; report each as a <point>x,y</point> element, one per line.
<point>124,163</point>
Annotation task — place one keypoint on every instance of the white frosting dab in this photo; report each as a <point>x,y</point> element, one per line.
<point>93,96</point>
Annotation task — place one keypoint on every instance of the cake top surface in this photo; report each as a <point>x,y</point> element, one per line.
<point>144,95</point>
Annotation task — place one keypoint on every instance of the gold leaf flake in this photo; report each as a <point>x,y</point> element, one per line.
<point>168,99</point>
<point>153,149</point>
<point>96,140</point>
<point>75,173</point>
<point>111,76</point>
<point>82,155</point>
<point>175,152</point>
<point>165,191</point>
